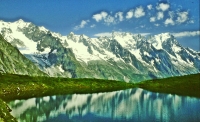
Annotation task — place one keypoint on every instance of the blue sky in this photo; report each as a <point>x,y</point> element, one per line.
<point>101,17</point>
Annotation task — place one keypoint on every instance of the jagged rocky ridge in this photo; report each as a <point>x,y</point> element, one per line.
<point>12,61</point>
<point>124,56</point>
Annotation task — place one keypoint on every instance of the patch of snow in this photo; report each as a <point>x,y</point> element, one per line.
<point>125,39</point>
<point>157,60</point>
<point>152,62</point>
<point>54,51</point>
<point>42,28</point>
<point>46,51</point>
<point>30,45</point>
<point>137,54</point>
<point>147,54</point>
<point>60,68</point>
<point>159,39</point>
<point>176,48</point>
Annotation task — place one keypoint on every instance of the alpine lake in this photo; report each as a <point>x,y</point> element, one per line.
<point>44,99</point>
<point>131,105</point>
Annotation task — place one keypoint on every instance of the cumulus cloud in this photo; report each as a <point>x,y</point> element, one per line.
<point>169,21</point>
<point>191,21</point>
<point>108,34</point>
<point>149,6</point>
<point>105,17</point>
<point>163,6</point>
<point>92,26</point>
<point>187,33</point>
<point>109,19</point>
<point>82,25</point>
<point>155,13</point>
<point>152,19</point>
<point>119,15</point>
<point>100,16</point>
<point>182,17</point>
<point>160,15</point>
<point>129,14</point>
<point>139,12</point>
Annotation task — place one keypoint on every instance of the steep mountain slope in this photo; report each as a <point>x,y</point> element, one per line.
<point>12,61</point>
<point>124,56</point>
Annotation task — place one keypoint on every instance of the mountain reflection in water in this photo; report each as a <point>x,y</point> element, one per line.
<point>125,105</point>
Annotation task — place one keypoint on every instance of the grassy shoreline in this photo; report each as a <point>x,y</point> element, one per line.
<point>188,85</point>
<point>22,86</point>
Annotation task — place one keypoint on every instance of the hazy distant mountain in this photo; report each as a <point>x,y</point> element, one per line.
<point>124,56</point>
<point>12,61</point>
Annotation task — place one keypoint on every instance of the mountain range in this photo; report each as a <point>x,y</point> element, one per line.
<point>123,56</point>
<point>12,61</point>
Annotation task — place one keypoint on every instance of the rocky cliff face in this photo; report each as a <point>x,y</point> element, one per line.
<point>12,61</point>
<point>124,56</point>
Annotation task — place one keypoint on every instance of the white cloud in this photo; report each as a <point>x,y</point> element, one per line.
<point>157,24</point>
<point>82,25</point>
<point>120,16</point>
<point>169,21</point>
<point>104,16</point>
<point>191,21</point>
<point>182,17</point>
<point>152,19</point>
<point>160,15</point>
<point>139,12</point>
<point>129,14</point>
<point>149,6</point>
<point>186,33</point>
<point>109,19</point>
<point>163,6</point>
<point>93,25</point>
<point>143,34</point>
<point>108,34</point>
<point>100,16</point>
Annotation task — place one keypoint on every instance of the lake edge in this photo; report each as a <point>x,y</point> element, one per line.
<point>19,91</point>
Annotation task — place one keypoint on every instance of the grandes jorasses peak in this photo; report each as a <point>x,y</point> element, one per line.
<point>123,56</point>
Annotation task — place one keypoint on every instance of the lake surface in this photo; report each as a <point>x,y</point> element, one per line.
<point>126,105</point>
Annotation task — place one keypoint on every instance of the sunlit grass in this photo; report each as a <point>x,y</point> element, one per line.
<point>188,85</point>
<point>23,86</point>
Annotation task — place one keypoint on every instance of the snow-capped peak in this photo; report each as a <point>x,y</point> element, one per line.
<point>71,33</point>
<point>159,39</point>
<point>19,21</point>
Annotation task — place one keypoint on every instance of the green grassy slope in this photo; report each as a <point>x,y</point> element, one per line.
<point>23,86</point>
<point>188,85</point>
<point>12,61</point>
